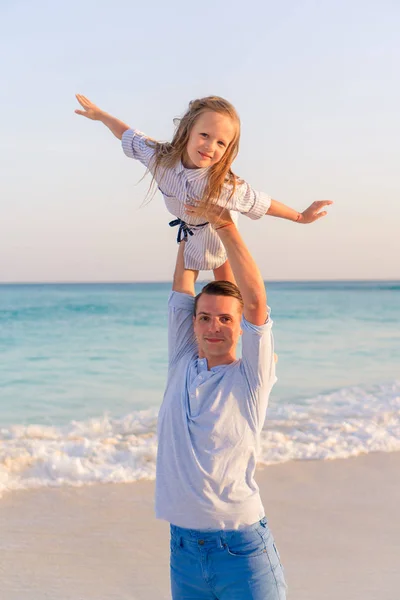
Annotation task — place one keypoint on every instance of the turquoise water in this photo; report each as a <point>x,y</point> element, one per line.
<point>75,351</point>
<point>94,355</point>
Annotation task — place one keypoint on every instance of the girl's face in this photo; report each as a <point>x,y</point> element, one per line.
<point>208,141</point>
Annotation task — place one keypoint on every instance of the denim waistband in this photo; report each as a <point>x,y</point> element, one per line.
<point>210,536</point>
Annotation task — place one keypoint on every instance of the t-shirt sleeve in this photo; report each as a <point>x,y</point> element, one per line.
<point>258,365</point>
<point>248,201</point>
<point>135,145</point>
<point>181,338</point>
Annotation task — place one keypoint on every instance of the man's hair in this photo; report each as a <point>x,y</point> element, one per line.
<point>220,288</point>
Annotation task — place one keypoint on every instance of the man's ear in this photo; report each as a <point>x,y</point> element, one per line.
<point>241,331</point>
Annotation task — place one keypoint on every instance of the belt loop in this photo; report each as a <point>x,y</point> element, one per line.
<point>264,522</point>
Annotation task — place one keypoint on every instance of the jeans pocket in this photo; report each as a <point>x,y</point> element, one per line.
<point>248,545</point>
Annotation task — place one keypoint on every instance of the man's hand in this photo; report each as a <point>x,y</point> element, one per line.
<point>314,212</point>
<point>90,110</point>
<point>216,215</point>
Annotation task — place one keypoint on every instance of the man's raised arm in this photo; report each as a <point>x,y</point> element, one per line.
<point>245,270</point>
<point>184,279</point>
<point>181,339</point>
<point>247,274</point>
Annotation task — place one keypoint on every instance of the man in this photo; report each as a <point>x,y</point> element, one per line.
<point>209,427</point>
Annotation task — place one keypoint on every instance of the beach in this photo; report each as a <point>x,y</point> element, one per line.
<point>79,404</point>
<point>335,522</point>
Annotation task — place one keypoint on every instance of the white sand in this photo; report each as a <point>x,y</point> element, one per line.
<point>336,524</point>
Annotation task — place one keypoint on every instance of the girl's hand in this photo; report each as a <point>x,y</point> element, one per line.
<point>214,214</point>
<point>90,110</point>
<point>313,212</point>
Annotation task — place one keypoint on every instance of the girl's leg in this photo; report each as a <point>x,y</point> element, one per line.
<point>224,273</point>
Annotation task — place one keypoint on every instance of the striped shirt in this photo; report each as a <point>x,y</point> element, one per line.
<point>178,185</point>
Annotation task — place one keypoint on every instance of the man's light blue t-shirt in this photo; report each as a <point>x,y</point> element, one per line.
<point>209,427</point>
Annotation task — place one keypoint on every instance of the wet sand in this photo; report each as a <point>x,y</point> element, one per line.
<point>336,524</point>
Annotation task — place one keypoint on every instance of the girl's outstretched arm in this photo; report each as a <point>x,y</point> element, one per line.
<point>309,215</point>
<point>93,112</point>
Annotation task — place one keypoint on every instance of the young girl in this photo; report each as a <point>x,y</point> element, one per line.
<point>195,169</point>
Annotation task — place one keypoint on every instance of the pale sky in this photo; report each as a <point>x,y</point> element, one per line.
<point>316,85</point>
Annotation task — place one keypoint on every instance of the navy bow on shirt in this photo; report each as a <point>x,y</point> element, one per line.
<point>184,229</point>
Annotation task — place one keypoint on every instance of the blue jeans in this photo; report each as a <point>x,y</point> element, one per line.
<point>226,565</point>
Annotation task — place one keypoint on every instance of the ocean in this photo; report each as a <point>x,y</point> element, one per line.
<point>83,367</point>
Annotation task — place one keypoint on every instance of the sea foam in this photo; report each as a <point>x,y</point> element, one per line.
<point>340,424</point>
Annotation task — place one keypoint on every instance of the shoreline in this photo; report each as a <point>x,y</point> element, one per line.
<point>335,522</point>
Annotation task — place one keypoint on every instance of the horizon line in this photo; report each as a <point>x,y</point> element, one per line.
<point>128,282</point>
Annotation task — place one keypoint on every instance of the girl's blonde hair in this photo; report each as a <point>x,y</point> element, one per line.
<point>167,154</point>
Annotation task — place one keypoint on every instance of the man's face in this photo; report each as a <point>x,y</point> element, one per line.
<point>217,328</point>
<point>209,139</point>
